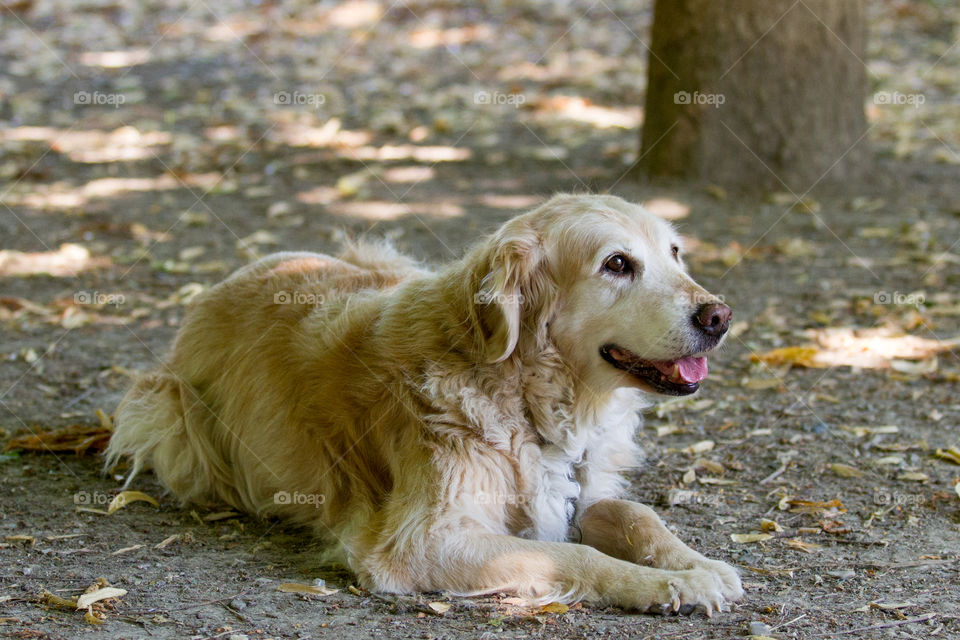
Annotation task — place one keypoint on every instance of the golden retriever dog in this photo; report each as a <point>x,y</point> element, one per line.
<point>462,429</point>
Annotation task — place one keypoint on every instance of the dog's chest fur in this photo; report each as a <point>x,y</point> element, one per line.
<point>579,463</point>
<point>552,460</point>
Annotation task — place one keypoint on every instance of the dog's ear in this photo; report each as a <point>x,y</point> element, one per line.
<point>512,259</point>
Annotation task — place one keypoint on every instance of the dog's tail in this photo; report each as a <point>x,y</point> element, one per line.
<point>163,424</point>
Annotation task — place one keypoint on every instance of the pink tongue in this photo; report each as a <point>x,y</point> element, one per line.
<point>693,369</point>
<point>690,369</point>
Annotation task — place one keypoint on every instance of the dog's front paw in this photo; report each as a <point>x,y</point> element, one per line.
<point>665,592</point>
<point>689,589</point>
<point>725,575</point>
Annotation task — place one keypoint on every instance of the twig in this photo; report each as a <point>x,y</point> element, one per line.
<point>776,474</point>
<point>886,625</point>
<point>787,624</point>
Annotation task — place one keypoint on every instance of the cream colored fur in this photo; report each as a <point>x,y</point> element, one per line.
<point>441,429</point>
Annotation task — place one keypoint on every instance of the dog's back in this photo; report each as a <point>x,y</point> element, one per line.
<point>183,419</point>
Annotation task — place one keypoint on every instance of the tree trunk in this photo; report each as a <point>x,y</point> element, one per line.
<point>756,93</point>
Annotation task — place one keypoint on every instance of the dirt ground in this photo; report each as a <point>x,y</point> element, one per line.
<point>150,148</point>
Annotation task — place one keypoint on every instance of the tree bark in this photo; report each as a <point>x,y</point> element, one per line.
<point>756,93</point>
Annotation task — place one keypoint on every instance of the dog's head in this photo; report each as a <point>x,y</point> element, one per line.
<point>604,282</point>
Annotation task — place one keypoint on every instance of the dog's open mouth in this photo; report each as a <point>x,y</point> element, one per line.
<point>675,377</point>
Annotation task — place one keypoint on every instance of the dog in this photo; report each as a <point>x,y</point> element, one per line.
<point>462,429</point>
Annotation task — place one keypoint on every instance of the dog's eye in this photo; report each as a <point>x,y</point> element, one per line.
<point>618,264</point>
<point>675,250</point>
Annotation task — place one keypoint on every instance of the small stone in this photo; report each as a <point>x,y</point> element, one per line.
<point>842,574</point>
<point>238,604</point>
<point>758,628</point>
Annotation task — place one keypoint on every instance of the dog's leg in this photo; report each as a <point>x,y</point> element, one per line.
<point>633,532</point>
<point>472,564</point>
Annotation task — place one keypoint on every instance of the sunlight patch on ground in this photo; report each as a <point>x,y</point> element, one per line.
<point>115,59</point>
<point>61,196</point>
<point>382,210</point>
<point>94,145</point>
<point>667,208</point>
<point>68,260</point>
<point>881,348</point>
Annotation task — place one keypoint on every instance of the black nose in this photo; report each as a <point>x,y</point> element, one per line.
<point>713,318</point>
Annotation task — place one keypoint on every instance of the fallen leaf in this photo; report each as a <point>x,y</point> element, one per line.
<point>812,506</point>
<point>914,476</point>
<point>77,439</point>
<point>555,607</point>
<point>124,498</point>
<point>711,480</point>
<point>90,617</point>
<point>845,470</point>
<point>88,599</point>
<point>865,348</point>
<point>700,447</point>
<point>439,607</point>
<point>951,455</point>
<point>770,525</point>
<point>53,600</point>
<point>296,587</point>
<point>746,538</point>
<point>800,545</point>
<point>220,515</point>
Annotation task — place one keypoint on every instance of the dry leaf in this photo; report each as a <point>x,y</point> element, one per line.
<point>700,447</point>
<point>951,455</point>
<point>800,545</point>
<point>220,515</point>
<point>90,617</point>
<point>103,593</point>
<point>812,506</point>
<point>709,465</point>
<point>555,607</point>
<point>53,600</point>
<point>711,480</point>
<point>746,538</point>
<point>770,525</point>
<point>439,607</point>
<point>77,439</point>
<point>914,476</point>
<point>296,587</point>
<point>866,348</point>
<point>845,470</point>
<point>124,498</point>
